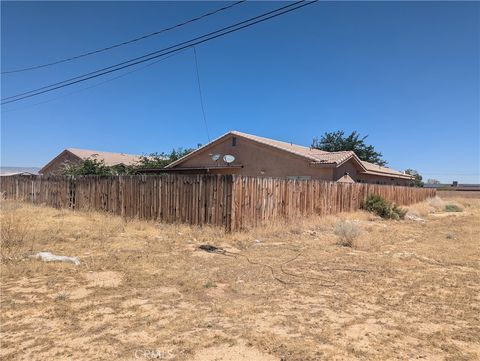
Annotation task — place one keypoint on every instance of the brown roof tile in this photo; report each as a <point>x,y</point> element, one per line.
<point>109,158</point>
<point>315,155</point>
<point>377,169</point>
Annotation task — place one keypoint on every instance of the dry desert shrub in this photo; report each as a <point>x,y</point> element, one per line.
<point>453,208</point>
<point>62,296</point>
<point>413,215</point>
<point>108,226</point>
<point>422,209</point>
<point>15,232</point>
<point>436,202</point>
<point>348,232</point>
<point>13,236</point>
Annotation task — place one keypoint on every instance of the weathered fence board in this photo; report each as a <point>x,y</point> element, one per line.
<point>234,202</point>
<point>261,200</point>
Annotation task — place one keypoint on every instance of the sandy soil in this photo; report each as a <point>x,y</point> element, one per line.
<point>406,290</point>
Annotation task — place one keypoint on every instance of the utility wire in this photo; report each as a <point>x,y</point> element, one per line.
<point>158,51</point>
<point>200,93</point>
<point>126,42</point>
<point>95,85</point>
<point>118,67</point>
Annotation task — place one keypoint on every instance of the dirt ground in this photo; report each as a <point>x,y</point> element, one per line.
<point>458,194</point>
<point>405,290</point>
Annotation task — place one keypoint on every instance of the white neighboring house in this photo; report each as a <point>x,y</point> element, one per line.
<point>10,171</point>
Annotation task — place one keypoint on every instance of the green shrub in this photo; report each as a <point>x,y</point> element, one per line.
<point>453,208</point>
<point>89,166</point>
<point>383,208</point>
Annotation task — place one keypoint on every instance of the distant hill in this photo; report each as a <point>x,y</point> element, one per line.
<point>13,170</point>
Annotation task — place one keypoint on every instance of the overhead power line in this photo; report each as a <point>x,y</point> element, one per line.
<point>132,62</point>
<point>189,42</point>
<point>200,94</point>
<point>96,84</point>
<point>126,42</point>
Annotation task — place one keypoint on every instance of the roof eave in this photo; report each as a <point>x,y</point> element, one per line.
<point>394,175</point>
<point>356,159</point>
<point>237,134</point>
<point>323,165</point>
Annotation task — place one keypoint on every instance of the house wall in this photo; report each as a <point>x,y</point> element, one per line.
<point>262,160</point>
<point>257,160</point>
<point>377,179</point>
<point>59,163</point>
<point>347,167</point>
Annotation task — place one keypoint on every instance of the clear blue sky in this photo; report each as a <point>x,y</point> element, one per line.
<point>407,74</point>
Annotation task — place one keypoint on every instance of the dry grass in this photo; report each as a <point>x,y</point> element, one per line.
<point>406,290</point>
<point>15,233</point>
<point>347,232</point>
<point>458,194</point>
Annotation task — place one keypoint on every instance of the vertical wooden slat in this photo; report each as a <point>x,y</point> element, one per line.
<point>234,202</point>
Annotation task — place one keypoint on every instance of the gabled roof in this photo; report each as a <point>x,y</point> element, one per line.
<point>109,158</point>
<point>315,156</point>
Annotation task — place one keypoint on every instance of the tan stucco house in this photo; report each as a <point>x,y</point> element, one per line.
<point>74,155</point>
<point>258,156</point>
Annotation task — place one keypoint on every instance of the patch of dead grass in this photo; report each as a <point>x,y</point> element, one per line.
<point>407,290</point>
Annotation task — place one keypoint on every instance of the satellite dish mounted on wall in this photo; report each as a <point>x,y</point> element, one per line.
<point>215,157</point>
<point>227,158</point>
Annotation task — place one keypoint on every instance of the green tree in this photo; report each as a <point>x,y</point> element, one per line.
<point>337,141</point>
<point>90,166</point>
<point>161,160</point>
<point>93,166</point>
<point>417,182</point>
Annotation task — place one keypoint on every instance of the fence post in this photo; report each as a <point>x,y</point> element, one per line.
<point>232,201</point>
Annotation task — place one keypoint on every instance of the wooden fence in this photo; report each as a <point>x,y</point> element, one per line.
<point>234,202</point>
<point>258,200</point>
